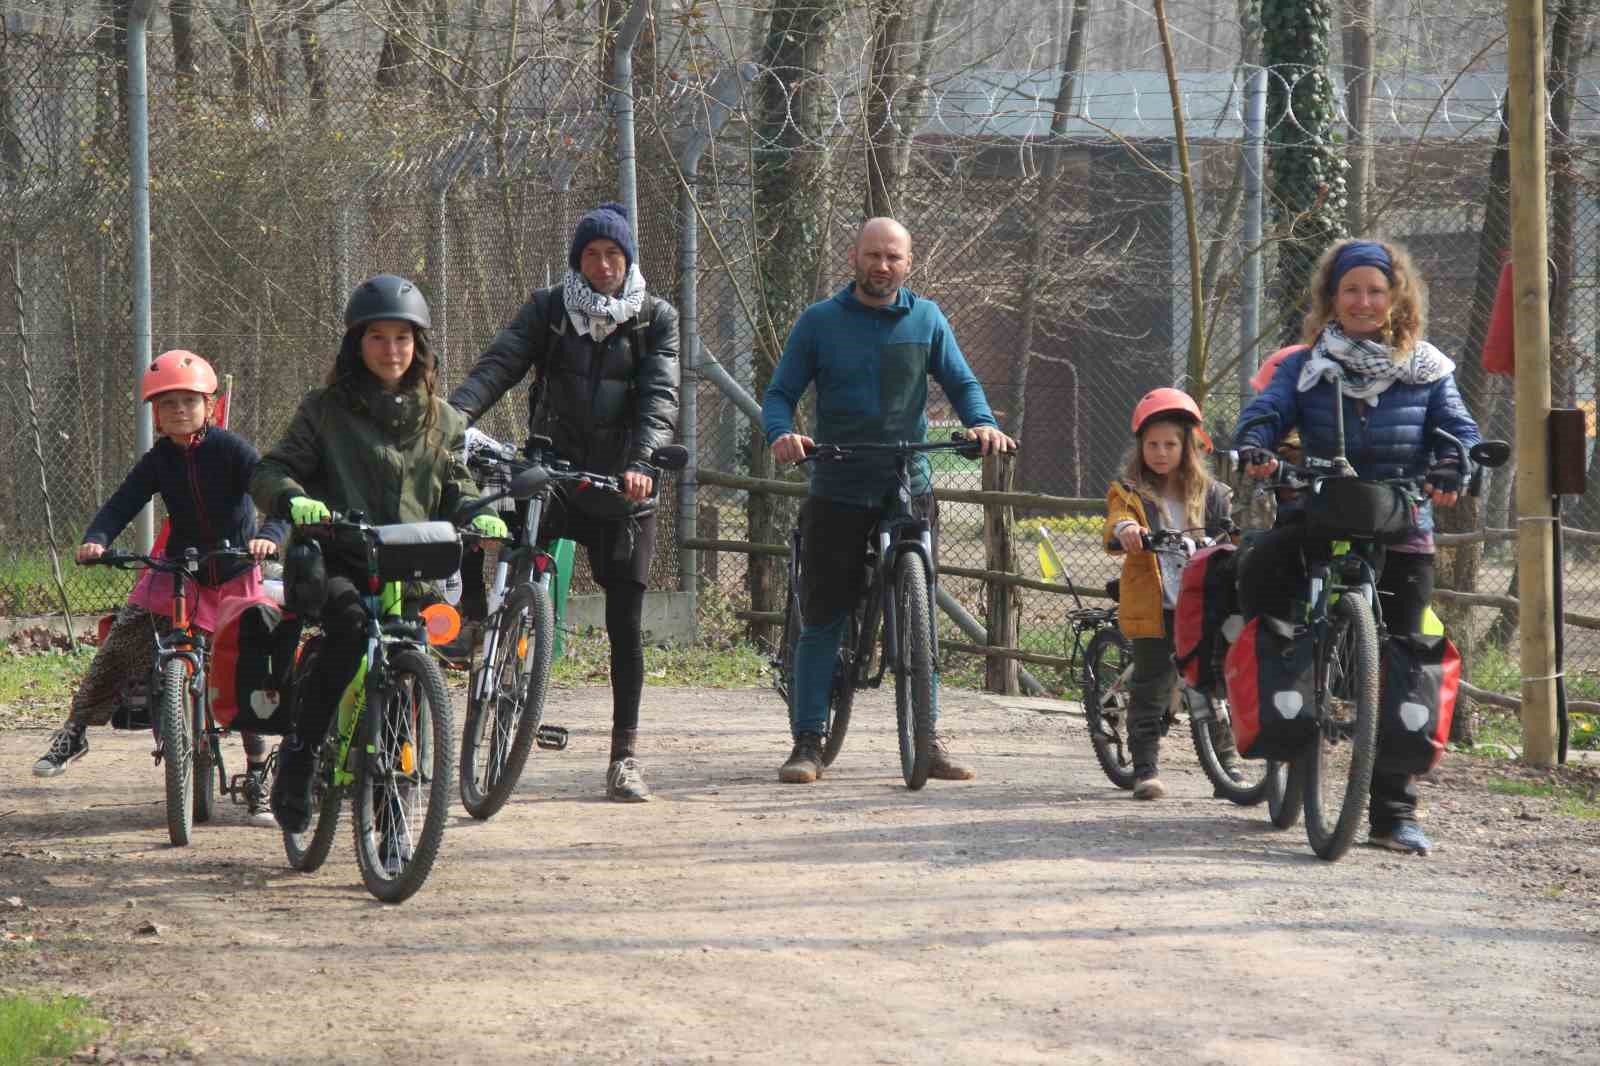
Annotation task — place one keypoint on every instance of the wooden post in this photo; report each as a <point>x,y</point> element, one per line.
<point>1525,106</point>
<point>708,526</point>
<point>1005,601</point>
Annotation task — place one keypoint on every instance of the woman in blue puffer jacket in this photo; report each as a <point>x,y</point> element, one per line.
<point>1368,313</point>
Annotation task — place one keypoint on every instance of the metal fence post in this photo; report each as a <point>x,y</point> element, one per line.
<point>139,184</point>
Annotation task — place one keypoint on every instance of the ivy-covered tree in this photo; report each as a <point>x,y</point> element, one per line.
<point>1306,171</point>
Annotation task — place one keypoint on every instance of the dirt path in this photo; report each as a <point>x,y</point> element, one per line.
<point>1034,915</point>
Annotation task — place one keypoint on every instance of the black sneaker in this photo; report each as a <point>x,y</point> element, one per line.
<point>66,745</point>
<point>805,761</point>
<point>291,786</point>
<point>257,805</point>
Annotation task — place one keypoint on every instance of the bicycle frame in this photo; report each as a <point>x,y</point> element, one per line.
<point>896,532</point>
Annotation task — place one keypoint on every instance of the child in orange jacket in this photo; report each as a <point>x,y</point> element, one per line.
<point>1165,485</point>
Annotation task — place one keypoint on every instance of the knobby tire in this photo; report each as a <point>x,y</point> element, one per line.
<point>307,851</point>
<point>1105,713</point>
<point>500,731</point>
<point>913,679</point>
<point>1248,793</point>
<point>176,710</point>
<point>1350,666</point>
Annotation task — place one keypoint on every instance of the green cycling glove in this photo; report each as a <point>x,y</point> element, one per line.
<point>491,526</point>
<point>304,511</point>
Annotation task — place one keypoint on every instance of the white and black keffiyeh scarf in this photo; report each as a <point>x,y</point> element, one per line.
<point>1369,367</point>
<point>595,314</point>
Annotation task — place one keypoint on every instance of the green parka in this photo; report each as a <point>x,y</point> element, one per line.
<point>357,447</point>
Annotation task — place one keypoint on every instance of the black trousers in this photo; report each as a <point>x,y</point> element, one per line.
<point>1273,571</point>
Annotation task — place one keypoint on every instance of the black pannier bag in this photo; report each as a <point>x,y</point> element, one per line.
<point>1270,673</point>
<point>1347,508</point>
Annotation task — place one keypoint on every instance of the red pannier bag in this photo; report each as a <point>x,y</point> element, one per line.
<point>1271,694</point>
<point>252,654</point>
<point>1207,595</point>
<point>1421,675</point>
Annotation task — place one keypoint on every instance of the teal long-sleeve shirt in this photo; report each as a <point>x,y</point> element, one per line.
<point>871,367</point>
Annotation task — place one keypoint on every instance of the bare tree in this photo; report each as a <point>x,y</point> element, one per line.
<point>883,86</point>
<point>1359,31</point>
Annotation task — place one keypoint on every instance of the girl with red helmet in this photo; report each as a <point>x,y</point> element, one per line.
<point>200,472</point>
<point>1164,485</point>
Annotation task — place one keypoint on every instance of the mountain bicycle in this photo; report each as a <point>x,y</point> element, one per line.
<point>391,743</point>
<point>176,700</point>
<point>1108,671</point>
<point>1331,778</point>
<point>506,691</point>
<point>896,604</point>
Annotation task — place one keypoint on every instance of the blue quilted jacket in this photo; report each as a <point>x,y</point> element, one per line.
<point>1392,439</point>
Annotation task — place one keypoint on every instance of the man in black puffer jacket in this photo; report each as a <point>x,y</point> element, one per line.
<point>604,352</point>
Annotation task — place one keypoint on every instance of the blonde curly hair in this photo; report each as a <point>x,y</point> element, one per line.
<point>1408,308</point>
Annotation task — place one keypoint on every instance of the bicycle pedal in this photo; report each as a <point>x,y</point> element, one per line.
<point>551,737</point>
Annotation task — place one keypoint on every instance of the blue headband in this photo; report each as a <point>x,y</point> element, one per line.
<point>1360,254</point>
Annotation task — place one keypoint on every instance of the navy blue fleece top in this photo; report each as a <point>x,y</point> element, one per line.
<point>871,367</point>
<point>203,487</point>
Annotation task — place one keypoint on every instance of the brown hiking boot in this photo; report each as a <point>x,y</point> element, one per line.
<point>805,761</point>
<point>942,767</point>
<point>1146,785</point>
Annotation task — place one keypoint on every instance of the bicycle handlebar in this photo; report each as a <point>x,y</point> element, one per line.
<point>967,447</point>
<point>126,560</point>
<point>529,475</point>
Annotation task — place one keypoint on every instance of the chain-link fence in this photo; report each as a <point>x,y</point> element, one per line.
<point>1062,262</point>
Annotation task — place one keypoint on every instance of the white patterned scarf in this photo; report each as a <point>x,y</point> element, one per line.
<point>595,314</point>
<point>1369,367</point>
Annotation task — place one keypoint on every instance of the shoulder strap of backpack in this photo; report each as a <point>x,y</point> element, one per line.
<point>641,326</point>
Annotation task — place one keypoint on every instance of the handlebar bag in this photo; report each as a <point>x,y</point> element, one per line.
<point>1348,508</point>
<point>1269,672</point>
<point>417,551</point>
<point>252,653</point>
<point>1207,596</point>
<point>1421,675</point>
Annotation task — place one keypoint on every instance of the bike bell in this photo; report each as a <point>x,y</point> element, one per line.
<point>305,578</point>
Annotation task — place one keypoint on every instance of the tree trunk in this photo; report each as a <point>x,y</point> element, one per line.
<point>883,87</point>
<point>180,13</point>
<point>305,28</point>
<point>917,86</point>
<point>1569,31</point>
<point>397,59</point>
<point>1360,29</point>
<point>789,223</point>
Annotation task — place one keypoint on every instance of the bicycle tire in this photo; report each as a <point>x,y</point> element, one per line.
<point>504,738</point>
<point>177,754</point>
<point>783,662</point>
<point>1106,704</point>
<point>1248,793</point>
<point>913,675</point>
<point>1350,666</point>
<point>207,763</point>
<point>1285,794</point>
<point>412,709</point>
<point>307,851</point>
<point>842,693</point>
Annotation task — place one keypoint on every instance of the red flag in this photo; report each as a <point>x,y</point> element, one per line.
<point>1500,345</point>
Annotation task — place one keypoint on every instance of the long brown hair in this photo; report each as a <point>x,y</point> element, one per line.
<point>1190,477</point>
<point>1408,299</point>
<point>422,373</point>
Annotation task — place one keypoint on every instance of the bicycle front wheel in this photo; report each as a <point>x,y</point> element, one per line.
<point>1106,703</point>
<point>402,791</point>
<point>1286,794</point>
<point>913,675</point>
<point>503,723</point>
<point>176,707</point>
<point>1338,762</point>
<point>1210,724</point>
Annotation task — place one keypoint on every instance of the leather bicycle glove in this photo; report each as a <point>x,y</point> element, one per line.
<point>492,526</point>
<point>304,511</point>
<point>1445,476</point>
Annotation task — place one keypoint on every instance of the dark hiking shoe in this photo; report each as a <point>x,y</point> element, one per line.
<point>625,782</point>
<point>66,745</point>
<point>291,786</point>
<point>943,768</point>
<point>1406,837</point>
<point>1146,785</point>
<point>805,761</point>
<point>258,806</point>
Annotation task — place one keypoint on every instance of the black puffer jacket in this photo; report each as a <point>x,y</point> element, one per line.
<point>604,407</point>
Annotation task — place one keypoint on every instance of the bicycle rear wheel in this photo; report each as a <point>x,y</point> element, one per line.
<point>1106,703</point>
<point>1205,724</point>
<point>207,765</point>
<point>913,675</point>
<point>176,708</point>
<point>1286,794</point>
<point>1338,763</point>
<point>402,791</point>
<point>501,727</point>
<point>307,851</point>
<point>842,692</point>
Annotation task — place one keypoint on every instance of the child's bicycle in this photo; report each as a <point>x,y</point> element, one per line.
<point>1331,778</point>
<point>391,744</point>
<point>898,591</point>
<point>505,696</point>
<point>174,700</point>
<point>1108,668</point>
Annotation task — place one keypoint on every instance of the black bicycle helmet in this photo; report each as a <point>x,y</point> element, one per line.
<point>386,296</point>
<point>305,578</point>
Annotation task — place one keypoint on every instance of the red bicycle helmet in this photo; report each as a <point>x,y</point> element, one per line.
<point>1164,402</point>
<point>175,370</point>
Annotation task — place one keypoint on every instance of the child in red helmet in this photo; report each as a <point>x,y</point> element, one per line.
<point>200,472</point>
<point>1164,485</point>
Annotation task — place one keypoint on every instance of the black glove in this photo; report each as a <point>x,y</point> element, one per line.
<point>1445,475</point>
<point>1253,456</point>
